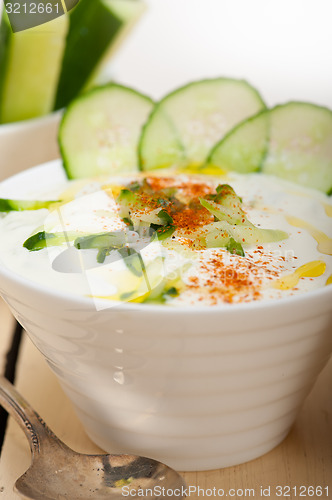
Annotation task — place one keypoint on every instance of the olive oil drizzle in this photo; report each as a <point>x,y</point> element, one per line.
<point>324,242</point>
<point>328,209</point>
<point>311,269</point>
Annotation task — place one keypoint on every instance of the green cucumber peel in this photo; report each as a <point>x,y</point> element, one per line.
<point>244,148</point>
<point>8,205</point>
<point>42,239</point>
<point>234,247</point>
<point>165,218</point>
<point>86,21</point>
<point>163,232</point>
<point>171,292</point>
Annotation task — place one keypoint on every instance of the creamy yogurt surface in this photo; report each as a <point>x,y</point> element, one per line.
<point>185,266</point>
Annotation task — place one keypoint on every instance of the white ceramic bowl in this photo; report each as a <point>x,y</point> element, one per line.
<point>28,143</point>
<point>197,388</point>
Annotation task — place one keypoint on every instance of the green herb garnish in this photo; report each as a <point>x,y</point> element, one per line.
<point>234,247</point>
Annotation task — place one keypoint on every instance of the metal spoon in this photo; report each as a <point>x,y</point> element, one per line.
<point>59,473</point>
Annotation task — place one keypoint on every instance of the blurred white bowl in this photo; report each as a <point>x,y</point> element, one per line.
<point>28,143</point>
<point>198,388</point>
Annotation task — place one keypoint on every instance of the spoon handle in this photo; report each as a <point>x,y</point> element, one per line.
<point>35,429</point>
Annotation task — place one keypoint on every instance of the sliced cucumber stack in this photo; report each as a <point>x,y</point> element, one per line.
<point>186,124</point>
<point>30,63</point>
<point>100,130</point>
<point>44,67</point>
<point>300,147</point>
<point>219,123</point>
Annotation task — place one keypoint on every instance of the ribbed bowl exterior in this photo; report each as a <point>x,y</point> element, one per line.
<point>196,389</point>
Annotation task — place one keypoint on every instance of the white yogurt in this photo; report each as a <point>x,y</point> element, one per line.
<point>206,276</point>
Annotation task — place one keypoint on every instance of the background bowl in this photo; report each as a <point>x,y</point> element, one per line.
<point>196,388</point>
<point>28,143</point>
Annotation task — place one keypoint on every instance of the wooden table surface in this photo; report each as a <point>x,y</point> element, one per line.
<point>303,459</point>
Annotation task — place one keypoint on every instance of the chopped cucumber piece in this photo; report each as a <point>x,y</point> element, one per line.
<point>170,292</point>
<point>186,124</point>
<point>232,228</point>
<point>227,197</point>
<point>114,240</point>
<point>99,131</point>
<point>96,28</point>
<point>243,149</point>
<point>225,205</point>
<point>7,205</point>
<point>163,232</point>
<point>222,213</point>
<point>215,237</point>
<point>43,239</point>
<point>30,64</point>
<point>135,211</point>
<point>170,287</point>
<point>219,234</point>
<point>105,243</point>
<point>128,199</point>
<point>300,148</point>
<point>133,260</point>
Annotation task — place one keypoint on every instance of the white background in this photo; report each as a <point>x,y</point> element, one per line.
<point>282,47</point>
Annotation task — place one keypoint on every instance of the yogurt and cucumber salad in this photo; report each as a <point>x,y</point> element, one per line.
<point>204,198</point>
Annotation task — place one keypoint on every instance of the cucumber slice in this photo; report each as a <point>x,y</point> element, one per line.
<point>243,149</point>
<point>300,148</point>
<point>30,63</point>
<point>195,116</point>
<point>96,29</point>
<point>159,144</point>
<point>99,131</point>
